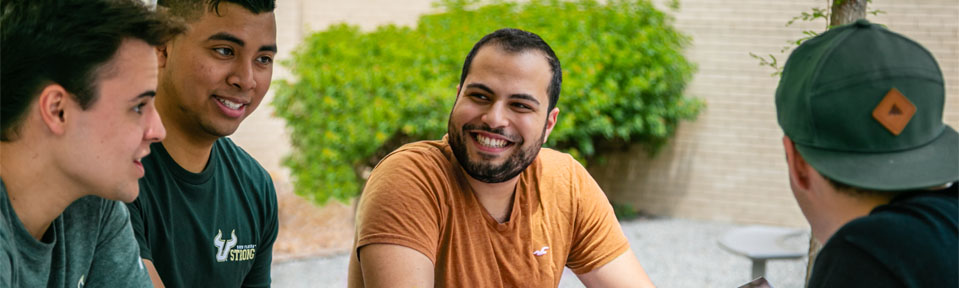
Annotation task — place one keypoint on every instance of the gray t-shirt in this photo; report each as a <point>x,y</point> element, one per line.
<point>91,244</point>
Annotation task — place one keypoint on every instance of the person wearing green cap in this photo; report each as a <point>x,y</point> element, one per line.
<point>871,163</point>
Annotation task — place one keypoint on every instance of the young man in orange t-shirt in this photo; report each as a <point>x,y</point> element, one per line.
<point>483,207</point>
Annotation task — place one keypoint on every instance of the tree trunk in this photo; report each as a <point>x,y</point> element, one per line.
<point>846,11</point>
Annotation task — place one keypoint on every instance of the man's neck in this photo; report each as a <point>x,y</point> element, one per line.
<point>844,209</point>
<point>190,153</point>
<point>497,198</point>
<point>185,142</point>
<point>37,190</point>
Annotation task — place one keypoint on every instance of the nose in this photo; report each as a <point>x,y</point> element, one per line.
<point>495,116</point>
<point>155,131</point>
<point>242,76</point>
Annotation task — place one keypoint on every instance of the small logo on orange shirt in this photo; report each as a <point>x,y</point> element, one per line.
<point>541,251</point>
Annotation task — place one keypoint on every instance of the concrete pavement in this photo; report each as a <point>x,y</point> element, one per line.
<point>674,252</point>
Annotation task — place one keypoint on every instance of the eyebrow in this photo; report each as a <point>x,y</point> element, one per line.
<point>223,36</point>
<point>481,87</point>
<point>515,96</point>
<point>149,93</point>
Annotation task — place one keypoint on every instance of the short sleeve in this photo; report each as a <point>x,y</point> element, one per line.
<point>116,262</point>
<point>400,203</point>
<point>597,236</point>
<point>259,275</point>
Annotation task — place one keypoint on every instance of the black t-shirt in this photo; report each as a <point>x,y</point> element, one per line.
<point>910,242</point>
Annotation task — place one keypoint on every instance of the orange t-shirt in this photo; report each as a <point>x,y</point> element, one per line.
<point>418,197</point>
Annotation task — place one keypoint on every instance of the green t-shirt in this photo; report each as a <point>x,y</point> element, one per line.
<point>215,228</point>
<point>90,244</point>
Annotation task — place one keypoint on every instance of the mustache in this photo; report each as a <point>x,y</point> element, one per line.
<point>499,131</point>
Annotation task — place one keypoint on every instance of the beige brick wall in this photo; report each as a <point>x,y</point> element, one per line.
<point>728,165</point>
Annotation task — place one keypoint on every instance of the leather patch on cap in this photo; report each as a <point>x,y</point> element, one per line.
<point>894,111</point>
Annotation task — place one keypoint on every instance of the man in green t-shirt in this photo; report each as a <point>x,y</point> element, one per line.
<point>77,116</point>
<point>207,211</point>
<point>871,163</point>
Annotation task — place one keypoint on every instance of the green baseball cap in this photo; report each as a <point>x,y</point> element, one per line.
<point>864,107</point>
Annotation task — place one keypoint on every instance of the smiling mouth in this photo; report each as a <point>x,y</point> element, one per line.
<point>490,142</point>
<point>228,103</point>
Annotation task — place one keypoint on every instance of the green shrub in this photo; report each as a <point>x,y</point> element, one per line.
<point>358,95</point>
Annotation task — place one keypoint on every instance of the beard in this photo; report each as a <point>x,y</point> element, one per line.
<point>484,171</point>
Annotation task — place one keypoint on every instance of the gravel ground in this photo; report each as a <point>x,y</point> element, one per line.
<point>674,252</point>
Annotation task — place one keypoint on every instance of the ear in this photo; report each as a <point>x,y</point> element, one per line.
<point>799,169</point>
<point>52,104</point>
<point>161,51</point>
<point>550,122</point>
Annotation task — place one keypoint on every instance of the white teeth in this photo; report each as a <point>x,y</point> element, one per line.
<point>229,104</point>
<point>490,142</point>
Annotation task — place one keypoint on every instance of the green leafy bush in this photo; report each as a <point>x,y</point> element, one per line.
<point>358,95</point>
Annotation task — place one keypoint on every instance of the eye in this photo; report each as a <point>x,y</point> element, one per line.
<point>139,108</point>
<point>479,97</point>
<point>522,106</point>
<point>265,60</point>
<point>223,51</point>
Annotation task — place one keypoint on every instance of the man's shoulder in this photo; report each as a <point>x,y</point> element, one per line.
<point>242,171</point>
<point>942,205</point>
<point>233,155</point>
<point>550,153</point>
<point>908,216</point>
<point>552,158</point>
<point>90,215</point>
<point>558,167</point>
<point>902,237</point>
<point>892,226</point>
<point>415,170</point>
<point>427,148</point>
<point>899,251</point>
<point>435,153</point>
<point>88,206</point>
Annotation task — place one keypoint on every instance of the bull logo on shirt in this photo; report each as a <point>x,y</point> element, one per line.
<point>223,246</point>
<point>228,250</point>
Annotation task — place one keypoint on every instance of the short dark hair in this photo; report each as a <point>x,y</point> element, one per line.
<point>66,42</point>
<point>514,41</point>
<point>191,10</point>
